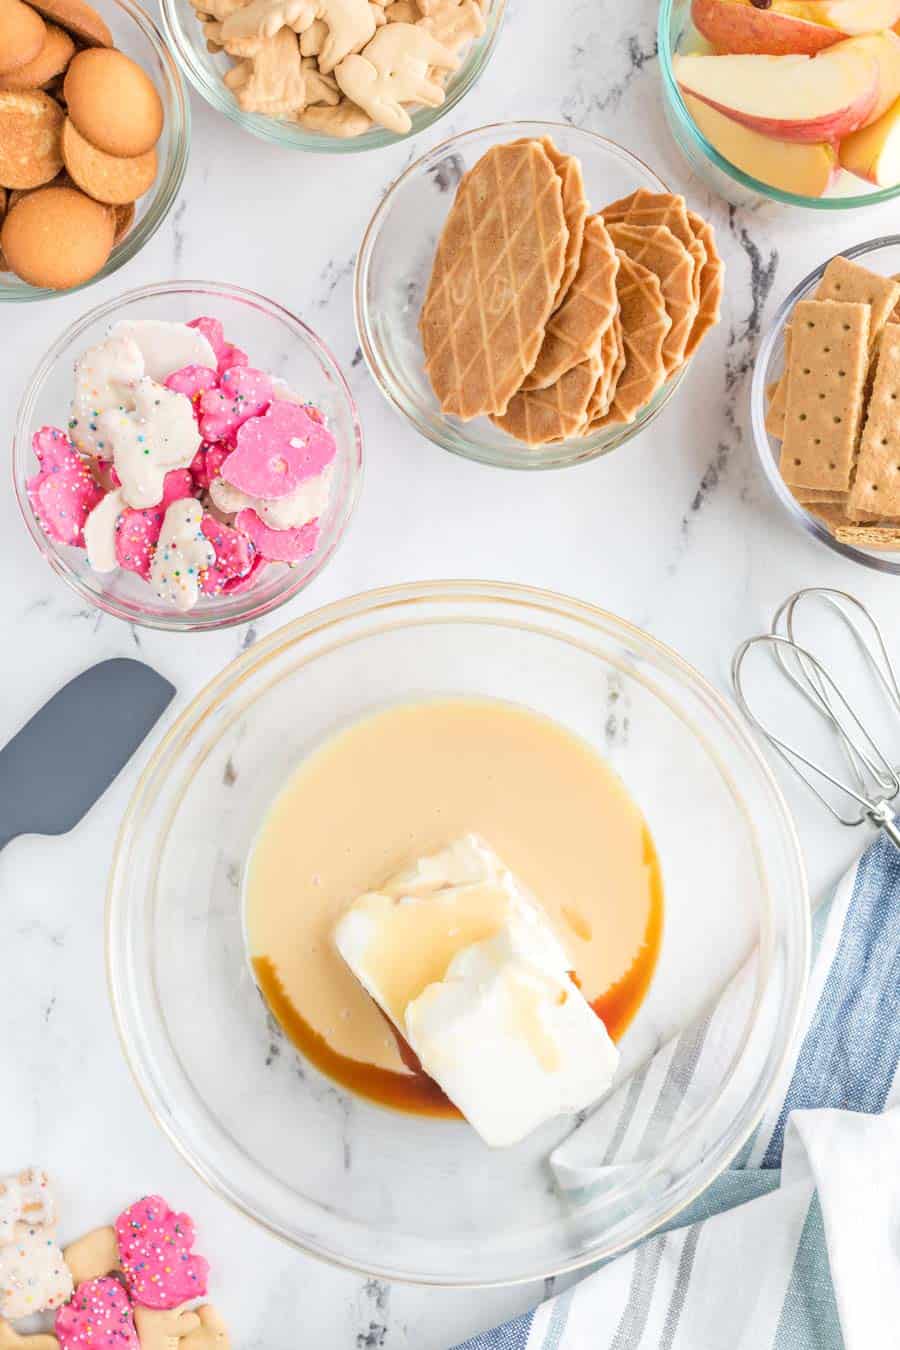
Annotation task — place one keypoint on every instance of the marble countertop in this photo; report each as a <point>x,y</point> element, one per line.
<point>677,531</point>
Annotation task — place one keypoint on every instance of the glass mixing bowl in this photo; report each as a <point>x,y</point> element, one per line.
<point>849,193</point>
<point>401,1196</point>
<point>394,265</point>
<point>879,255</point>
<point>276,341</point>
<point>135,34</point>
<point>206,70</point>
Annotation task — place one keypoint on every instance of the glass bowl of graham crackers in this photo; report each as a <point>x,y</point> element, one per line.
<point>824,404</point>
<point>530,294</point>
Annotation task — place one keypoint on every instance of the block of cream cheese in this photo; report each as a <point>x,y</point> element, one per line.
<point>461,958</point>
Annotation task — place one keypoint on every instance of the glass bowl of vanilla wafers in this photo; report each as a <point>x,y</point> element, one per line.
<point>530,294</point>
<point>825,404</point>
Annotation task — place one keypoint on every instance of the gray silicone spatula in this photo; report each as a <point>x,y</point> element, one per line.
<point>65,758</point>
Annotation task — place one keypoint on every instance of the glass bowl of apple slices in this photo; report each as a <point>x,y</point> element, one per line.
<point>793,101</point>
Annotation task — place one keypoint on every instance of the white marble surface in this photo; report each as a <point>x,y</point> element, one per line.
<point>677,532</point>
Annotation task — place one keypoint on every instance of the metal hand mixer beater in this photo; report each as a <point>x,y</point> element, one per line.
<point>872,785</point>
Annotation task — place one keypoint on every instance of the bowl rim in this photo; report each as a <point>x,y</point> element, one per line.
<point>762,441</point>
<point>400,598</point>
<point>164,198</point>
<point>568,453</point>
<point>193,620</point>
<point>280,132</point>
<point>679,108</point>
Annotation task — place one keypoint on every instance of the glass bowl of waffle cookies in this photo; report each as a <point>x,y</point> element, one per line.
<point>530,295</point>
<point>825,399</point>
<point>333,76</point>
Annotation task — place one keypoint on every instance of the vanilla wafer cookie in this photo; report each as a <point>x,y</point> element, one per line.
<point>876,486</point>
<point>656,248</point>
<point>645,324</point>
<point>496,275</point>
<point>826,380</point>
<point>576,329</point>
<point>540,416</point>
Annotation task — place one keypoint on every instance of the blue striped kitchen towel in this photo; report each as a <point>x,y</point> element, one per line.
<point>797,1245</point>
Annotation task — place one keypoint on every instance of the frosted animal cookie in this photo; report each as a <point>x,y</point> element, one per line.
<point>394,69</point>
<point>344,120</point>
<point>104,379</point>
<point>244,392</point>
<point>63,492</point>
<point>25,1198</point>
<point>33,1275</point>
<point>11,1340</point>
<point>271,81</point>
<point>307,502</point>
<point>182,555</point>
<point>164,1328</point>
<point>276,453</point>
<point>287,546</point>
<point>158,434</point>
<point>98,1315</point>
<point>100,543</point>
<point>93,1256</point>
<point>165,347</point>
<point>137,532</point>
<point>160,1269</point>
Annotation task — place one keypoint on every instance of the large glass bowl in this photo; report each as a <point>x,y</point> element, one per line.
<point>277,342</point>
<point>720,174</point>
<point>879,255</point>
<point>396,1195</point>
<point>206,70</point>
<point>394,265</point>
<point>135,34</point>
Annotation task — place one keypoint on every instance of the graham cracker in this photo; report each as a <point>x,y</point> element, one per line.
<point>645,324</point>
<point>578,326</point>
<point>847,281</point>
<point>881,538</point>
<point>656,248</point>
<point>711,283</point>
<point>876,486</point>
<point>826,383</point>
<point>495,279</point>
<point>539,416</point>
<point>808,496</point>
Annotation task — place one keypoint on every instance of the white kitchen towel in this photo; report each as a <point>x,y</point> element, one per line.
<point>797,1245</point>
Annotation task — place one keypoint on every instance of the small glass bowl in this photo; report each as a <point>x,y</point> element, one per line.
<point>135,34</point>
<point>394,265</point>
<point>716,171</point>
<point>401,1196</point>
<point>206,70</point>
<point>276,341</point>
<point>880,255</point>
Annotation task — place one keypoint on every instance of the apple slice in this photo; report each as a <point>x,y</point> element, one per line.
<point>873,152</point>
<point>884,48</point>
<point>793,98</point>
<point>801,27</point>
<point>807,170</point>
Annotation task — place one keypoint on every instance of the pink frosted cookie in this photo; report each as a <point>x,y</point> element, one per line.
<point>227,355</point>
<point>275,453</point>
<point>63,492</point>
<point>287,546</point>
<point>234,555</point>
<point>193,381</point>
<point>99,1315</point>
<point>155,1254</point>
<point>242,393</point>
<point>137,531</point>
<point>207,464</point>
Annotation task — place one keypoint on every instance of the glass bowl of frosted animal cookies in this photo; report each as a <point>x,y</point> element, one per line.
<point>73,211</point>
<point>824,399</point>
<point>530,294</point>
<point>333,76</point>
<point>123,471</point>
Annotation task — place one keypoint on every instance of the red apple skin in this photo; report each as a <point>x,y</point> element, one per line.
<point>743,30</point>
